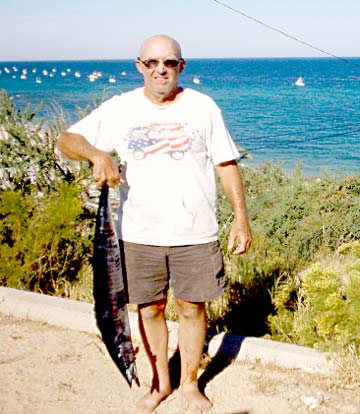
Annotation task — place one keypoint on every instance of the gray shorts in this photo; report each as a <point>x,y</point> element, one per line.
<point>195,273</point>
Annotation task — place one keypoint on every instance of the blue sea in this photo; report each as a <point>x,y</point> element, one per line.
<point>272,119</point>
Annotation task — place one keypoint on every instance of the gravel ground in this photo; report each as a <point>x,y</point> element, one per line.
<point>50,370</point>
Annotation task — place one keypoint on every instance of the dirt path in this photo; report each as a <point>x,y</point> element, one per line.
<point>49,370</point>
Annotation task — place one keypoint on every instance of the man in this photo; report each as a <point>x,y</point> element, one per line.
<point>168,139</point>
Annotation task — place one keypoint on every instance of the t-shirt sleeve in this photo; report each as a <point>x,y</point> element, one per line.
<point>91,127</point>
<point>220,144</point>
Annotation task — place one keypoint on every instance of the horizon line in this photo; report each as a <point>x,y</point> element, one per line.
<point>186,58</point>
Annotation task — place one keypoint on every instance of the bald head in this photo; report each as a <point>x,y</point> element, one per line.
<point>160,63</point>
<point>153,45</point>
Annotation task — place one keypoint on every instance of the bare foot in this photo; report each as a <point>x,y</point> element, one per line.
<point>151,400</point>
<point>198,403</point>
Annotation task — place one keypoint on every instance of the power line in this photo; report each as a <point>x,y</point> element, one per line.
<point>286,143</point>
<point>306,131</point>
<point>285,34</point>
<point>340,134</point>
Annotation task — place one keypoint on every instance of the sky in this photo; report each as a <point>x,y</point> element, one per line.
<point>114,29</point>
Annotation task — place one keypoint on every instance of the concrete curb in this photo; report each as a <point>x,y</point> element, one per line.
<point>79,316</point>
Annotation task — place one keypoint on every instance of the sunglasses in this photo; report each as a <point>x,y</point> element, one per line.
<point>168,63</point>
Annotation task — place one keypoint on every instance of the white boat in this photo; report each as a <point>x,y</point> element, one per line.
<point>196,80</point>
<point>112,79</point>
<point>123,73</point>
<point>38,80</point>
<point>300,81</point>
<point>92,77</point>
<point>77,74</point>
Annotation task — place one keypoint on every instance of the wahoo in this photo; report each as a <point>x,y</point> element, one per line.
<point>109,292</point>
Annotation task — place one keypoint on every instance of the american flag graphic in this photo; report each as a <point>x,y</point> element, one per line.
<point>159,139</point>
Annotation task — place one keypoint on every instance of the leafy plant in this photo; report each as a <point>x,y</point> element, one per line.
<point>295,220</point>
<point>45,241</point>
<point>28,159</point>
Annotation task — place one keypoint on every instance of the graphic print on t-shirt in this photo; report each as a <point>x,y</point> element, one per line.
<point>165,138</point>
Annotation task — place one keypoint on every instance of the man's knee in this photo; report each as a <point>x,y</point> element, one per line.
<point>190,310</point>
<point>152,310</point>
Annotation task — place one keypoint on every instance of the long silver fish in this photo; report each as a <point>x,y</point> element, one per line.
<point>109,292</point>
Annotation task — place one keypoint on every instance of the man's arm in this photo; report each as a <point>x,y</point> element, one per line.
<point>76,147</point>
<point>231,180</point>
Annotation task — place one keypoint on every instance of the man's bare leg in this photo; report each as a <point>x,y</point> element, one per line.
<point>192,331</point>
<point>154,333</point>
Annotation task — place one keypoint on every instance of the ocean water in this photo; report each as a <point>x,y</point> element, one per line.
<point>316,125</point>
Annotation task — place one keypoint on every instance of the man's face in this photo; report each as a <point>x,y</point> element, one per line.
<point>160,66</point>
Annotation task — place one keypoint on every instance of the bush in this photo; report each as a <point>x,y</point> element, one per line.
<point>326,314</point>
<point>45,241</point>
<point>27,150</point>
<point>295,220</point>
<point>45,229</point>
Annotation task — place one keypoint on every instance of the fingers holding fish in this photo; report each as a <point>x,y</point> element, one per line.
<point>105,170</point>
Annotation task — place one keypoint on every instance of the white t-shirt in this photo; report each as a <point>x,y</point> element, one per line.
<point>168,153</point>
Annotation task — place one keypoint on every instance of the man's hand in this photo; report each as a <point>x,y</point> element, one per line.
<point>105,170</point>
<point>240,234</point>
<point>76,147</point>
<point>239,238</point>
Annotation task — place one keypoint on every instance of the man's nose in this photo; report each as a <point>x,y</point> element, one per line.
<point>161,68</point>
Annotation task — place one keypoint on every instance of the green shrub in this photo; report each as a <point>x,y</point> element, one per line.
<point>45,230</point>
<point>294,221</point>
<point>326,314</point>
<point>45,241</point>
<point>27,150</point>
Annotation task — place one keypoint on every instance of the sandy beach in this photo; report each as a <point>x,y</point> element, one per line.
<point>52,370</point>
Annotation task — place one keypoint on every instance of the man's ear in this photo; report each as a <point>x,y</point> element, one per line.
<point>182,65</point>
<point>139,66</point>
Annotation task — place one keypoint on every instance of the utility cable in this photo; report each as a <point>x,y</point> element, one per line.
<point>285,34</point>
<point>340,134</point>
<point>306,131</point>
